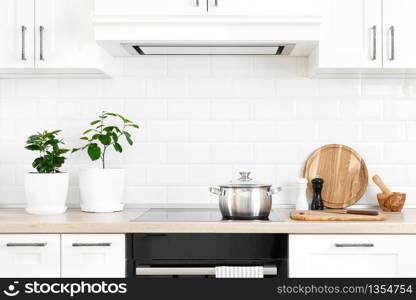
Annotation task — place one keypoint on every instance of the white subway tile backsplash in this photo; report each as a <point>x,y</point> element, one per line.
<point>128,87</point>
<point>283,153</point>
<point>401,153</point>
<point>231,65</point>
<point>383,131</point>
<point>189,195</point>
<point>80,88</point>
<point>147,153</point>
<point>167,174</point>
<point>192,109</point>
<point>274,65</point>
<point>361,109</point>
<point>211,87</point>
<point>339,131</point>
<point>210,131</point>
<point>36,88</point>
<point>254,131</point>
<point>382,87</point>
<point>296,86</point>
<point>223,109</point>
<point>167,87</point>
<point>189,153</point>
<point>274,109</point>
<point>254,87</point>
<point>189,65</point>
<point>210,174</point>
<point>167,131</point>
<point>401,109</point>
<point>203,119</point>
<point>146,65</point>
<point>232,152</point>
<point>146,109</point>
<point>145,195</point>
<point>311,109</point>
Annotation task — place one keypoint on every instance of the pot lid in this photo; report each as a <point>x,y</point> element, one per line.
<point>245,181</point>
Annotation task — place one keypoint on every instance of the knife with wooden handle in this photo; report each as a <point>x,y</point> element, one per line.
<point>355,212</point>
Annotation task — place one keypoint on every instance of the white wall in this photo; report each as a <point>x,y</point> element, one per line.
<point>205,118</point>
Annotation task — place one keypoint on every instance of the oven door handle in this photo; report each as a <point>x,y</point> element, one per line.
<point>189,271</point>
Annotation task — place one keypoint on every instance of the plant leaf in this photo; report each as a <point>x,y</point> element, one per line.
<point>133,125</point>
<point>33,147</point>
<point>105,139</point>
<point>87,131</point>
<point>94,151</point>
<point>95,122</point>
<point>118,147</point>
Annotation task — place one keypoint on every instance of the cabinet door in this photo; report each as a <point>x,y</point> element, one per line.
<point>363,255</point>
<point>151,7</point>
<point>16,33</point>
<point>65,41</point>
<point>93,255</point>
<point>351,34</point>
<point>264,7</point>
<point>399,30</point>
<point>30,255</point>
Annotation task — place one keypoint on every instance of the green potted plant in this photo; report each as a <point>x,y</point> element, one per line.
<point>47,188</point>
<point>102,189</point>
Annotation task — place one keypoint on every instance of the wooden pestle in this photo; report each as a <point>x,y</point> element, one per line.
<point>386,191</point>
<point>388,200</point>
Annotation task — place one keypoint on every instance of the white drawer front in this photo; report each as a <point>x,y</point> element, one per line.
<point>30,255</point>
<point>93,255</point>
<point>363,255</point>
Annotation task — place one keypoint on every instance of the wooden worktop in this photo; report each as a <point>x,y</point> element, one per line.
<point>75,221</point>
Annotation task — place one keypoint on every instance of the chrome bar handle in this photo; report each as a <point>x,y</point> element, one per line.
<point>216,3</point>
<point>374,42</point>
<point>23,55</point>
<point>91,244</point>
<point>197,3</point>
<point>392,54</point>
<point>26,244</point>
<point>41,29</point>
<point>347,245</point>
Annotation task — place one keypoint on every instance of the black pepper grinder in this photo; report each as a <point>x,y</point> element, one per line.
<point>317,184</point>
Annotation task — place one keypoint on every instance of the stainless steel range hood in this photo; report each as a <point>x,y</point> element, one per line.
<point>207,49</point>
<point>133,35</point>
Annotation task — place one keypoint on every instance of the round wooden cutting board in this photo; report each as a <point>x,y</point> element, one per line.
<point>344,173</point>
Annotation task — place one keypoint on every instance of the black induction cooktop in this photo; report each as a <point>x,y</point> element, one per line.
<point>190,215</point>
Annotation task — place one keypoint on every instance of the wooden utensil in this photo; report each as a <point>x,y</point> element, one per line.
<point>354,212</point>
<point>343,171</point>
<point>316,215</point>
<point>388,200</point>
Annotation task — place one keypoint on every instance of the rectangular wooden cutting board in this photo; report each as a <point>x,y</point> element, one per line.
<point>314,215</point>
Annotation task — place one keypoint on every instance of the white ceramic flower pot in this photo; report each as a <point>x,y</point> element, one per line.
<point>102,190</point>
<point>46,193</point>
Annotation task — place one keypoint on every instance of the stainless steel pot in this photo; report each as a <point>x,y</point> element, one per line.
<point>245,199</point>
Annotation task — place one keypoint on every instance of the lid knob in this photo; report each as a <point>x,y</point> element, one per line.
<point>245,176</point>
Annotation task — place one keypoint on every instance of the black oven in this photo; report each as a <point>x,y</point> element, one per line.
<point>179,254</point>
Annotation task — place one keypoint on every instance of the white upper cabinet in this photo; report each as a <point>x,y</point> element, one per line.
<point>366,37</point>
<point>16,34</point>
<point>50,38</point>
<point>351,34</point>
<point>151,7</point>
<point>399,24</point>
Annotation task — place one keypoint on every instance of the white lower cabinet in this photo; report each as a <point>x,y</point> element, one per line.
<point>93,255</point>
<point>29,255</point>
<point>352,255</point>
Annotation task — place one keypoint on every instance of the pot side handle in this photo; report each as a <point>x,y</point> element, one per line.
<point>274,190</point>
<point>215,190</point>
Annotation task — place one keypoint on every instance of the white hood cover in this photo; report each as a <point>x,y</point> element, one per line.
<point>126,35</point>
